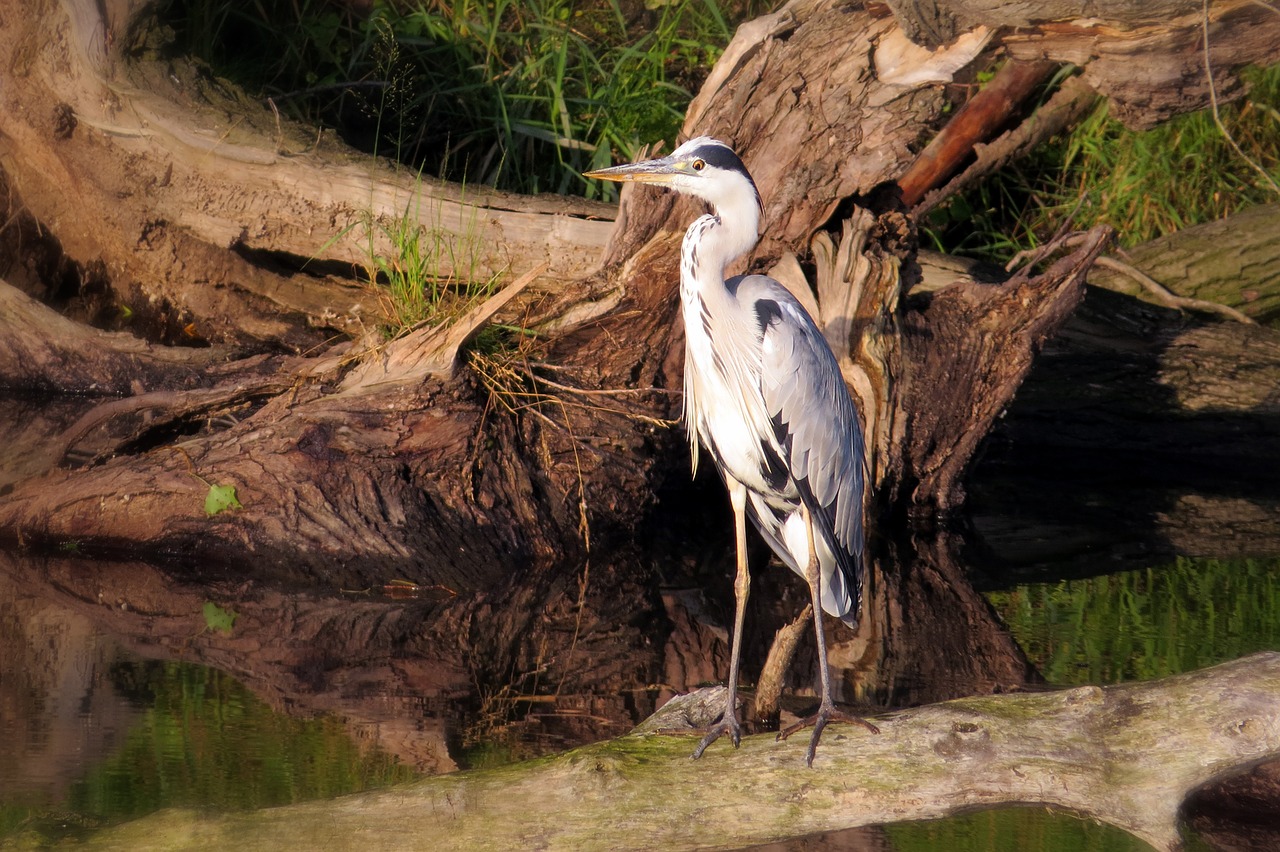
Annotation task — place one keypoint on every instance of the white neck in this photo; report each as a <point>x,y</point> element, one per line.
<point>715,241</point>
<point>710,245</point>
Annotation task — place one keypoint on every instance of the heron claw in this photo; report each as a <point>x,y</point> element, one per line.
<point>826,714</point>
<point>728,724</point>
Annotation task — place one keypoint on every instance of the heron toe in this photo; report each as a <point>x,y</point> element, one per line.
<point>826,714</point>
<point>727,725</point>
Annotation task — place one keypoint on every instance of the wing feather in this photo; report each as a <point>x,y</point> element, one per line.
<point>815,425</point>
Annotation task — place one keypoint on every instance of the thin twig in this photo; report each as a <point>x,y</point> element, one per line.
<point>1217,118</point>
<point>1167,297</point>
<point>1161,294</point>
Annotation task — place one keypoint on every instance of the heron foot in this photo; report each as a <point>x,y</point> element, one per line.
<point>728,724</point>
<point>826,714</point>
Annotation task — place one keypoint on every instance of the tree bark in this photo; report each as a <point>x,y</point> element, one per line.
<point>1139,55</point>
<point>1126,755</point>
<point>203,200</point>
<point>1234,261</point>
<point>353,462</point>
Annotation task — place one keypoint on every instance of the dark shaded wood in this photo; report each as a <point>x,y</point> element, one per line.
<point>43,352</point>
<point>1239,812</point>
<point>1171,420</point>
<point>1011,322</point>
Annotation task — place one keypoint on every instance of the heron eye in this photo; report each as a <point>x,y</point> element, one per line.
<point>698,165</point>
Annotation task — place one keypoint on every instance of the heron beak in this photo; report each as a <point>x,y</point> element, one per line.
<point>658,171</point>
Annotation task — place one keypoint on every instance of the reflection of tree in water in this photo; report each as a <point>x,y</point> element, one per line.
<point>57,710</point>
<point>515,672</point>
<point>407,678</point>
<point>204,740</point>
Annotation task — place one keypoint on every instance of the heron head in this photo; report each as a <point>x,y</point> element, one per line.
<point>704,167</point>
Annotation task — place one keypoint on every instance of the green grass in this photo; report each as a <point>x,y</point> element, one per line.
<point>421,274</point>
<point>1144,184</point>
<point>1140,625</point>
<point>520,96</point>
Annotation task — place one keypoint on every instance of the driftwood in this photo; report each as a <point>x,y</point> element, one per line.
<point>1126,755</point>
<point>190,183</point>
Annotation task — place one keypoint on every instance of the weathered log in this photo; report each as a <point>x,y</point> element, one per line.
<point>1234,261</point>
<point>939,21</point>
<point>1126,755</point>
<point>187,180</point>
<point>504,465</point>
<point>1140,55</point>
<point>1156,70</point>
<point>404,467</point>
<point>1150,383</point>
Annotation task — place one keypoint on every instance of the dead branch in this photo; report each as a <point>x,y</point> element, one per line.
<point>1127,755</point>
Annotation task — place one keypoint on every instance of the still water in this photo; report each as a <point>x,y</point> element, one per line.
<point>125,690</point>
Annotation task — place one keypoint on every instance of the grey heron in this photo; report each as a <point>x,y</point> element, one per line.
<point>763,393</point>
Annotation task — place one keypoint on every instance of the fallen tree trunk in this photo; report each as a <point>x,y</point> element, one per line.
<point>1126,755</point>
<point>355,470</point>
<point>203,201</point>
<point>1234,261</point>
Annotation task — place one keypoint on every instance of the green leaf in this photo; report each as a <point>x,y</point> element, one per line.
<point>220,499</point>
<point>217,618</point>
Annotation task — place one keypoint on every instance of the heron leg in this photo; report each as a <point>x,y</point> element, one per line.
<point>827,711</point>
<point>728,723</point>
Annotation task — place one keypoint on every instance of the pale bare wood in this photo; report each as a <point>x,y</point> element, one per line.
<point>200,164</point>
<point>1127,755</point>
<point>430,349</point>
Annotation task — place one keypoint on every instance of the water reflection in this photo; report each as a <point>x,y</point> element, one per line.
<point>1145,623</point>
<point>59,714</point>
<point>120,697</point>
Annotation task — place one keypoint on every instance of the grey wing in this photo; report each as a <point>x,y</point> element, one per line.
<point>814,420</point>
